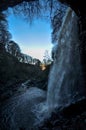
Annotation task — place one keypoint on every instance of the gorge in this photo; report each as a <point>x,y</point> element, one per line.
<point>66,83</point>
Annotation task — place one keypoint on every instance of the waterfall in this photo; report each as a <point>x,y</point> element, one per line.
<point>65,80</point>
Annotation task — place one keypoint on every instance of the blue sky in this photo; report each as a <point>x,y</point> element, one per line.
<point>33,39</point>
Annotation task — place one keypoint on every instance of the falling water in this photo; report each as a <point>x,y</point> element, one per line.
<point>65,83</point>
<point>65,79</point>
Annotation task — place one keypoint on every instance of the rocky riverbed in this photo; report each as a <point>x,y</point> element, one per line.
<point>17,113</point>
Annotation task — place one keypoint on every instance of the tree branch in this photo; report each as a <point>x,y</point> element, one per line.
<point>5,4</point>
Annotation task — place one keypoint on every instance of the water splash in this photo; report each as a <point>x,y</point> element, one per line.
<point>17,113</point>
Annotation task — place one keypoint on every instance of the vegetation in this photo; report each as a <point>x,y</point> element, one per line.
<point>13,48</point>
<point>15,67</point>
<point>5,35</point>
<point>13,73</point>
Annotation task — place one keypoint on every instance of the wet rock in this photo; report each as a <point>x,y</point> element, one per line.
<point>72,117</point>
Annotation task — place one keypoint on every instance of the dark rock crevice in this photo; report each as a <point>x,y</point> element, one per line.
<point>72,117</point>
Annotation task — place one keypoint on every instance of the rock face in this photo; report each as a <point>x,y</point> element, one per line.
<point>66,79</point>
<point>80,9</point>
<point>72,117</point>
<point>66,97</point>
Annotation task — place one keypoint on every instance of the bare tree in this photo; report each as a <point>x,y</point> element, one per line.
<point>47,59</point>
<point>4,4</point>
<point>13,48</point>
<point>5,35</point>
<point>31,9</point>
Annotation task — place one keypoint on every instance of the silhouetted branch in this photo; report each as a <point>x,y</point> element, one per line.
<point>5,4</point>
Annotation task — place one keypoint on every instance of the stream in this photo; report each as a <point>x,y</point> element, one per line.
<point>17,113</point>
